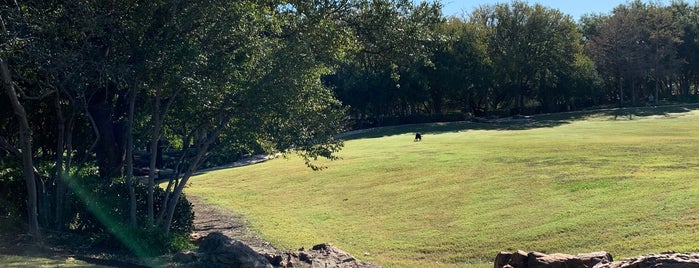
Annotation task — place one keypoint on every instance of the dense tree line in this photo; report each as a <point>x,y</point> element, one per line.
<point>88,83</point>
<point>518,58</point>
<point>88,86</point>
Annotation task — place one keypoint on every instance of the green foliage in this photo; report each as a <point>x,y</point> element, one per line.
<point>13,193</point>
<point>532,48</point>
<point>394,40</point>
<point>510,58</point>
<point>636,49</point>
<point>463,72</point>
<point>230,75</point>
<point>102,212</point>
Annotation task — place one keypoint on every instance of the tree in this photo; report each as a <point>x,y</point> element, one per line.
<point>394,41</point>
<point>241,74</point>
<point>664,37</point>
<point>531,48</point>
<point>636,42</point>
<point>263,82</point>
<point>688,50</point>
<point>462,74</point>
<point>26,147</point>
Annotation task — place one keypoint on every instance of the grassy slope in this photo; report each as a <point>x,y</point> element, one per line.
<point>459,197</point>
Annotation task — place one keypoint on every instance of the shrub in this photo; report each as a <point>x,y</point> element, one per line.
<point>13,192</point>
<point>102,212</point>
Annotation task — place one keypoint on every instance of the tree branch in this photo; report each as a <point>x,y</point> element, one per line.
<point>9,148</point>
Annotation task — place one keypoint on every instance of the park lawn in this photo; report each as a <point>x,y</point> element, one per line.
<point>468,191</point>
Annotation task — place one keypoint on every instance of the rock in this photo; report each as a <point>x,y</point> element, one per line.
<point>217,250</point>
<point>321,255</point>
<point>214,243</point>
<point>521,259</point>
<point>502,259</point>
<point>602,259</point>
<point>304,257</point>
<point>195,238</point>
<point>517,259</point>
<point>185,256</point>
<point>274,259</point>
<point>556,260</point>
<point>595,258</point>
<point>665,260</point>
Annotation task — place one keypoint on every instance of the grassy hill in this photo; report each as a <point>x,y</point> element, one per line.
<point>569,183</point>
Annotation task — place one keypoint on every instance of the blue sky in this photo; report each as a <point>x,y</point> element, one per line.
<point>574,8</point>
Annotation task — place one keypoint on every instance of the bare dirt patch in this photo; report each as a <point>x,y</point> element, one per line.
<point>209,219</point>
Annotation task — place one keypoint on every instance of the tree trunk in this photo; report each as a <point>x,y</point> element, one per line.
<point>633,92</point>
<point>26,146</point>
<point>157,122</point>
<point>129,159</point>
<point>202,149</point>
<point>106,151</point>
<point>656,93</point>
<point>173,181</point>
<point>60,184</point>
<point>177,192</point>
<point>621,91</point>
<point>105,106</point>
<point>155,136</point>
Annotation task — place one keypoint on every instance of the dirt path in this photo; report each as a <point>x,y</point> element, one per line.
<point>208,218</point>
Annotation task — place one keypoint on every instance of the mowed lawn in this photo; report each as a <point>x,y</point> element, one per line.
<point>468,191</point>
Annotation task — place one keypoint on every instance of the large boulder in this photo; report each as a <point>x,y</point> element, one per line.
<point>665,260</point>
<point>521,259</point>
<point>218,250</point>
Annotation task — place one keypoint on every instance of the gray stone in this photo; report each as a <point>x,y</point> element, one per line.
<point>521,259</point>
<point>665,260</point>
<point>185,256</point>
<point>223,251</point>
<point>556,260</point>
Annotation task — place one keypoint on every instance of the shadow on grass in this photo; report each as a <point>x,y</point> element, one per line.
<point>49,259</point>
<point>56,249</point>
<point>520,122</point>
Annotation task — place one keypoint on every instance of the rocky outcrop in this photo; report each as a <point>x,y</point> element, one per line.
<point>218,250</point>
<point>666,260</point>
<point>521,259</point>
<point>322,255</point>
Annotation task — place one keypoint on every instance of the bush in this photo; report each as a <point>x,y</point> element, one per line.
<point>13,192</point>
<point>102,212</point>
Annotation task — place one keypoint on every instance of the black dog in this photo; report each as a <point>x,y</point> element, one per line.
<point>418,137</point>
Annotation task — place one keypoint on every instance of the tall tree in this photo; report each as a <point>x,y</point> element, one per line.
<point>636,42</point>
<point>394,40</point>
<point>256,75</point>
<point>25,137</point>
<point>532,48</point>
<point>687,16</point>
<point>664,36</point>
<point>462,74</point>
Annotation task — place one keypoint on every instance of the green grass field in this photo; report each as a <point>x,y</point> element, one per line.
<point>569,183</point>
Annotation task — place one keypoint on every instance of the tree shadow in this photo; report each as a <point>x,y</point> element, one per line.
<point>521,122</point>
